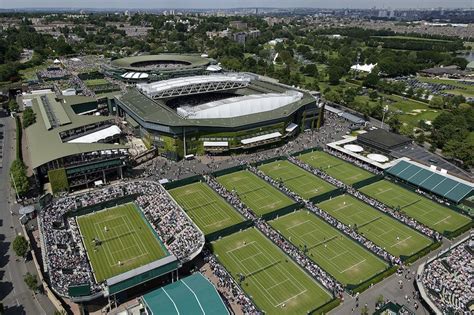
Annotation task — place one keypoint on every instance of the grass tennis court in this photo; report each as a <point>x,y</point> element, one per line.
<point>205,207</point>
<point>297,179</point>
<point>422,209</point>
<point>343,258</point>
<point>275,283</point>
<point>254,192</point>
<point>397,238</point>
<point>335,167</point>
<point>125,240</point>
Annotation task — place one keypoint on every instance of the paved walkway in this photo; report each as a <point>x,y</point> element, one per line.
<point>391,290</point>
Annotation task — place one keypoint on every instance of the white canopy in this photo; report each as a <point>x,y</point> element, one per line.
<point>268,136</point>
<point>378,157</point>
<point>98,135</point>
<point>353,148</point>
<point>216,143</point>
<point>291,127</point>
<point>363,68</point>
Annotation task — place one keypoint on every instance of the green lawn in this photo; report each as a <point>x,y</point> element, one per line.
<point>254,192</point>
<point>462,89</point>
<point>337,168</point>
<point>295,178</point>
<point>95,82</point>
<point>205,207</point>
<point>343,258</point>
<point>397,238</point>
<point>127,241</point>
<point>422,209</point>
<point>275,283</point>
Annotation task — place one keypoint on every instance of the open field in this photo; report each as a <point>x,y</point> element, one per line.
<point>342,257</point>
<point>462,89</point>
<point>205,207</point>
<point>124,240</point>
<point>422,209</point>
<point>397,238</point>
<point>275,283</point>
<point>337,168</point>
<point>295,178</point>
<point>413,38</point>
<point>254,192</point>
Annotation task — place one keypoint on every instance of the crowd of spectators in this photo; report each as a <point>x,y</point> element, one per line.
<point>64,255</point>
<point>55,73</point>
<point>449,280</point>
<point>228,286</point>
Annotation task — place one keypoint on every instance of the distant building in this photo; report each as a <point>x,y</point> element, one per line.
<point>238,25</point>
<point>240,37</point>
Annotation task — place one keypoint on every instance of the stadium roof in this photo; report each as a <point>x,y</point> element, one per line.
<point>98,135</point>
<point>437,182</point>
<point>240,106</point>
<point>183,85</point>
<point>190,60</point>
<point>155,111</point>
<point>46,145</point>
<point>383,139</point>
<point>190,295</point>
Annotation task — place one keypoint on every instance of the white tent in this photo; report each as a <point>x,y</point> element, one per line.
<point>363,68</point>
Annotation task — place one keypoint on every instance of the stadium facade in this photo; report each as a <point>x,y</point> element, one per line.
<point>151,68</point>
<point>69,148</point>
<point>216,113</point>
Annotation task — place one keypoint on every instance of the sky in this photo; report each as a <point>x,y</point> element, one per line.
<point>121,4</point>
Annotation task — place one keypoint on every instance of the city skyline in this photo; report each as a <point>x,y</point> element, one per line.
<point>208,4</point>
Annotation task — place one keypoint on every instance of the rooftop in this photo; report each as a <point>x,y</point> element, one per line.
<point>383,138</point>
<point>155,111</point>
<point>189,61</point>
<point>45,144</point>
<point>190,295</point>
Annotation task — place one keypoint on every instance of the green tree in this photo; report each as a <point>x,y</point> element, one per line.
<point>31,281</point>
<point>335,74</point>
<point>20,246</point>
<point>29,117</point>
<point>13,106</point>
<point>20,179</point>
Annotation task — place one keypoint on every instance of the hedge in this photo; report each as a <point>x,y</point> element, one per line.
<point>325,308</point>
<point>459,231</point>
<point>372,280</point>
<point>19,134</point>
<point>409,259</point>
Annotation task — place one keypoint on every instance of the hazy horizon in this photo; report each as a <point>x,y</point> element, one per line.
<point>210,4</point>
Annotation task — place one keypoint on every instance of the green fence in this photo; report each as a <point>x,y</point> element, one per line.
<point>325,308</point>
<point>79,290</point>
<point>278,158</point>
<point>229,230</point>
<point>102,205</point>
<point>229,170</point>
<point>328,195</point>
<point>183,182</point>
<point>420,253</point>
<point>357,288</point>
<point>367,181</point>
<point>307,151</point>
<point>282,211</point>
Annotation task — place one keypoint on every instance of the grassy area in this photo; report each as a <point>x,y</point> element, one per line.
<point>95,82</point>
<point>397,238</point>
<point>30,73</point>
<point>413,38</point>
<point>337,168</point>
<point>344,259</point>
<point>254,192</point>
<point>298,180</point>
<point>274,282</point>
<point>422,209</point>
<point>462,89</point>
<point>205,207</point>
<point>125,240</point>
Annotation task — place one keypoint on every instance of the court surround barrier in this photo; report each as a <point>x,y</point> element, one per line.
<point>358,288</point>
<point>229,230</point>
<point>422,252</point>
<point>102,205</point>
<point>229,170</point>
<point>183,182</point>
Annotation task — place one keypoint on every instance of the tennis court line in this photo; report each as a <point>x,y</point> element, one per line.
<point>449,216</point>
<point>401,241</point>
<point>298,224</point>
<point>383,191</point>
<point>302,292</point>
<point>239,247</point>
<point>360,262</point>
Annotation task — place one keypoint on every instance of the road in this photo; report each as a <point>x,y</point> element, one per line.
<point>14,294</point>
